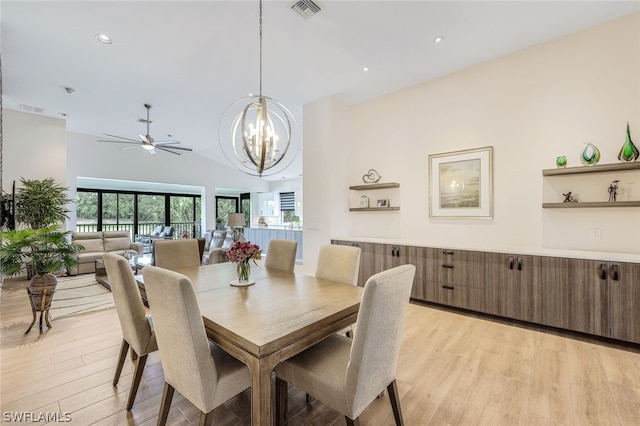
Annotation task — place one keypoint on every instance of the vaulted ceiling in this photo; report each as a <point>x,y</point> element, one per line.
<point>191,59</point>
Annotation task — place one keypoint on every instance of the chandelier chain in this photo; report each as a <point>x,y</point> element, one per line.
<point>260,47</point>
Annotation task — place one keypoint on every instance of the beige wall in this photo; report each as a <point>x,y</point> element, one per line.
<point>531,106</point>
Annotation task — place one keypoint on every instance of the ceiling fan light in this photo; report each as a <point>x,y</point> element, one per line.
<point>148,147</point>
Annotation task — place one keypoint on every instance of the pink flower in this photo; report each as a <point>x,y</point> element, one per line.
<point>243,251</point>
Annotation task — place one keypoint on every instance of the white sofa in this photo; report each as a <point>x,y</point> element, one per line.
<point>98,243</point>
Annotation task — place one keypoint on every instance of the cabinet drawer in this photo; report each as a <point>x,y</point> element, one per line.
<point>455,295</point>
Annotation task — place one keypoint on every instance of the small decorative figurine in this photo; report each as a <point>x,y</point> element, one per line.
<point>613,191</point>
<point>568,198</point>
<point>561,162</point>
<point>372,176</point>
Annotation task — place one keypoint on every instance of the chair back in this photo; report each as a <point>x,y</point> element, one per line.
<point>376,345</point>
<point>281,254</point>
<point>338,263</point>
<point>136,329</point>
<point>182,341</point>
<point>174,254</point>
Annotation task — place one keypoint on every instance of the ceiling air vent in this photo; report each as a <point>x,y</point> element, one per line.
<point>305,8</point>
<point>29,108</point>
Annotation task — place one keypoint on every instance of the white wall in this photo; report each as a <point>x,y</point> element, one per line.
<point>531,106</point>
<point>33,147</point>
<point>327,134</point>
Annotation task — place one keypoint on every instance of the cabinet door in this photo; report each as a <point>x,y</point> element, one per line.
<point>624,285</point>
<point>513,286</point>
<point>577,295</point>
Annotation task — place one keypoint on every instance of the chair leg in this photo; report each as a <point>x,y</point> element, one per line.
<point>206,418</point>
<point>123,353</point>
<point>394,397</point>
<point>354,422</point>
<point>282,400</point>
<point>167,395</point>
<point>309,399</point>
<point>137,375</point>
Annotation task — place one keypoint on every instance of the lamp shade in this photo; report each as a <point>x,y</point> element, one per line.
<point>235,219</point>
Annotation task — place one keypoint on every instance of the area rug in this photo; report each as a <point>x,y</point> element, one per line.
<point>78,295</point>
<point>74,295</point>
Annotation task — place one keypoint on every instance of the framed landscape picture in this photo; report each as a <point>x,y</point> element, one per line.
<point>461,184</point>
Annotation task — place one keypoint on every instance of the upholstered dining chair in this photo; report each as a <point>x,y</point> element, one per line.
<point>173,254</point>
<point>281,254</point>
<point>348,374</point>
<point>338,263</point>
<point>198,369</point>
<point>136,324</point>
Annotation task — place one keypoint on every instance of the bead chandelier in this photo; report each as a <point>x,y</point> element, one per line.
<point>260,129</point>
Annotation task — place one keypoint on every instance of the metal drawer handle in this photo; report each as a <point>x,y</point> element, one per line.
<point>447,265</point>
<point>448,287</point>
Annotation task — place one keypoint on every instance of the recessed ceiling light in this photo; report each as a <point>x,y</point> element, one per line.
<point>62,114</point>
<point>103,38</point>
<point>365,69</point>
<point>438,39</point>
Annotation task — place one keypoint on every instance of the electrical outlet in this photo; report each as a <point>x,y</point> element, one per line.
<point>595,234</point>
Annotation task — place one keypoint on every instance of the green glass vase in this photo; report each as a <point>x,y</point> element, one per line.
<point>628,152</point>
<point>590,155</point>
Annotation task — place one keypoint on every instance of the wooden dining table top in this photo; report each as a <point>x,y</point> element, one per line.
<point>263,324</point>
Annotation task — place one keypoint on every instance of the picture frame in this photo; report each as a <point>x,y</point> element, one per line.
<point>382,203</point>
<point>461,184</point>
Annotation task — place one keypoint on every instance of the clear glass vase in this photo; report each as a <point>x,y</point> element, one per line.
<point>244,270</point>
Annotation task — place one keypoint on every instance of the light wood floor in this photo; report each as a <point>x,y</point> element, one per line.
<point>454,369</point>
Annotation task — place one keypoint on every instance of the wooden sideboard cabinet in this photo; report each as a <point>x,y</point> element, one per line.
<point>590,296</point>
<point>455,278</point>
<point>512,287</point>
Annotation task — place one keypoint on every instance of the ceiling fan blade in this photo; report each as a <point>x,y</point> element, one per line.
<point>167,150</point>
<point>144,139</point>
<point>176,147</point>
<point>130,147</point>
<point>132,143</point>
<point>151,151</point>
<point>120,137</point>
<point>167,142</point>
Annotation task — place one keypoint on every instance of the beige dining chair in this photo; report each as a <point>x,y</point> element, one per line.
<point>174,254</point>
<point>136,324</point>
<point>338,263</point>
<point>198,369</point>
<point>281,254</point>
<point>348,374</point>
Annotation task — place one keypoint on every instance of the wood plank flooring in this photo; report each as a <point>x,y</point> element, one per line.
<point>454,369</point>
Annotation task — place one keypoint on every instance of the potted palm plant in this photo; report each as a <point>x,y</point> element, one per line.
<point>47,249</point>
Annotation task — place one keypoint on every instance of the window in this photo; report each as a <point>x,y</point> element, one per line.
<point>141,213</point>
<point>224,206</point>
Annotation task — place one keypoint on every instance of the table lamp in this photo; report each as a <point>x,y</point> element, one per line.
<point>236,222</point>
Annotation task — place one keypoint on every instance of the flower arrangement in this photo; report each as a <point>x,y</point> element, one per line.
<point>241,253</point>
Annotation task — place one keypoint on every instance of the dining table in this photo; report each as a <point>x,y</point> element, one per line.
<point>275,318</point>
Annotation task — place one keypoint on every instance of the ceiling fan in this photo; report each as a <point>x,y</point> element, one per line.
<point>147,142</point>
